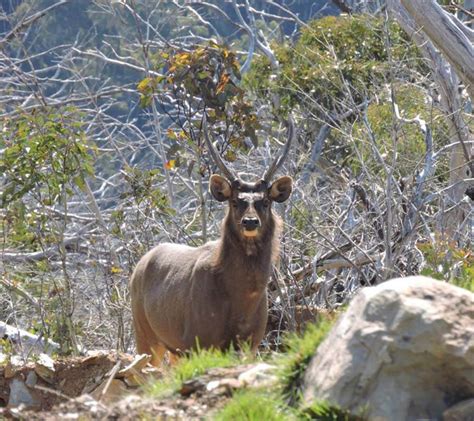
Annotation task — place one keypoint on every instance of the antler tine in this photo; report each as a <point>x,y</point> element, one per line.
<point>276,164</point>
<point>215,155</point>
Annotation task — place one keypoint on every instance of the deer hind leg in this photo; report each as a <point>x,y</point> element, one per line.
<point>152,347</point>
<point>147,341</point>
<point>157,354</point>
<point>172,358</point>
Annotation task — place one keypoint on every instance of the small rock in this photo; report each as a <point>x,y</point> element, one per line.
<point>20,395</point>
<point>14,364</point>
<point>139,362</point>
<point>70,416</point>
<point>31,379</point>
<point>115,390</point>
<point>45,368</point>
<point>223,386</point>
<point>214,384</point>
<point>94,356</point>
<point>462,411</point>
<point>91,404</point>
<point>185,404</point>
<point>259,376</point>
<point>191,386</point>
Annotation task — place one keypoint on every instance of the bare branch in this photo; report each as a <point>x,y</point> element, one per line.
<point>30,20</point>
<point>447,36</point>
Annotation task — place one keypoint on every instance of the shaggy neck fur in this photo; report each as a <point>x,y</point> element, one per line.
<point>247,262</point>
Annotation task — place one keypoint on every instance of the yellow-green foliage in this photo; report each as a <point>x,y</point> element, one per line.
<point>194,364</point>
<point>199,361</point>
<point>45,153</point>
<point>330,52</point>
<point>260,404</point>
<point>445,261</point>
<point>204,79</point>
<point>43,150</point>
<point>351,59</point>
<point>409,139</point>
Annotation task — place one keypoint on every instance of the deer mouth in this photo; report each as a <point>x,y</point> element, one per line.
<point>250,233</point>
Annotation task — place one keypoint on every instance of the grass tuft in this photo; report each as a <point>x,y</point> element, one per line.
<point>192,365</point>
<point>254,405</point>
<point>322,411</point>
<point>281,403</point>
<point>294,361</point>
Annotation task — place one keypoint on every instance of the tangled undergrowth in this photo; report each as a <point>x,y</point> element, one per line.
<point>281,401</point>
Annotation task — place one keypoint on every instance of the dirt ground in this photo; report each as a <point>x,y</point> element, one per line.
<point>106,386</point>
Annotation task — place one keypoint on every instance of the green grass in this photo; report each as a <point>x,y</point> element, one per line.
<point>258,404</point>
<point>281,402</point>
<point>195,364</point>
<point>255,405</point>
<point>322,411</point>
<point>465,278</point>
<point>294,361</point>
<point>447,262</point>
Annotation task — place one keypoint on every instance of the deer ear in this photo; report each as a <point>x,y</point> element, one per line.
<point>281,189</point>
<point>219,187</point>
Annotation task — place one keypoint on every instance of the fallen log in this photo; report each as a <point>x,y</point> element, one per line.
<point>25,343</point>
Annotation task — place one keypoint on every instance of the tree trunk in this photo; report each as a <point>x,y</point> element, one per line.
<point>448,34</point>
<point>428,18</point>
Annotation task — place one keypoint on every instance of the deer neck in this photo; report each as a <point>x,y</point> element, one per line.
<point>246,263</point>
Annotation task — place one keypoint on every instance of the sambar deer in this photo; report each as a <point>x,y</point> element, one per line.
<point>214,295</point>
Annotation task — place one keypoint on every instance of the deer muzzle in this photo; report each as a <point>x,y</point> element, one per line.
<point>250,226</point>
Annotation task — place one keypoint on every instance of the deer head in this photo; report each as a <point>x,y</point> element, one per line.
<point>250,203</point>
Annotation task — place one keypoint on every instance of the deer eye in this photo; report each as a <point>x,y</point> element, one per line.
<point>266,203</point>
<point>235,203</point>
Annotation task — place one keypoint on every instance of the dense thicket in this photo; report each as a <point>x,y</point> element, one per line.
<point>102,155</point>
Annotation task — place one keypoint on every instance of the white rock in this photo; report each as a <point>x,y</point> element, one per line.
<point>214,384</point>
<point>258,376</point>
<point>404,350</point>
<point>138,363</point>
<point>44,367</point>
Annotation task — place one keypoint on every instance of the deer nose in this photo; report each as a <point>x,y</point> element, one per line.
<point>250,224</point>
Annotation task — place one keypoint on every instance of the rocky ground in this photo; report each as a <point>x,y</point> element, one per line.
<point>106,386</point>
<point>402,350</point>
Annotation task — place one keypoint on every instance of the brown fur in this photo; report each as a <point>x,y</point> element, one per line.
<point>213,295</point>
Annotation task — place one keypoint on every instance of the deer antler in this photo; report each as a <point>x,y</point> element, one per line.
<point>276,164</point>
<point>215,155</point>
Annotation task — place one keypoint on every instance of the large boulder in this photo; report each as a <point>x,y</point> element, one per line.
<point>404,350</point>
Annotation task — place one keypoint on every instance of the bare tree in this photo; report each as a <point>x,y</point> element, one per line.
<point>71,234</point>
<point>433,29</point>
<point>84,244</point>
